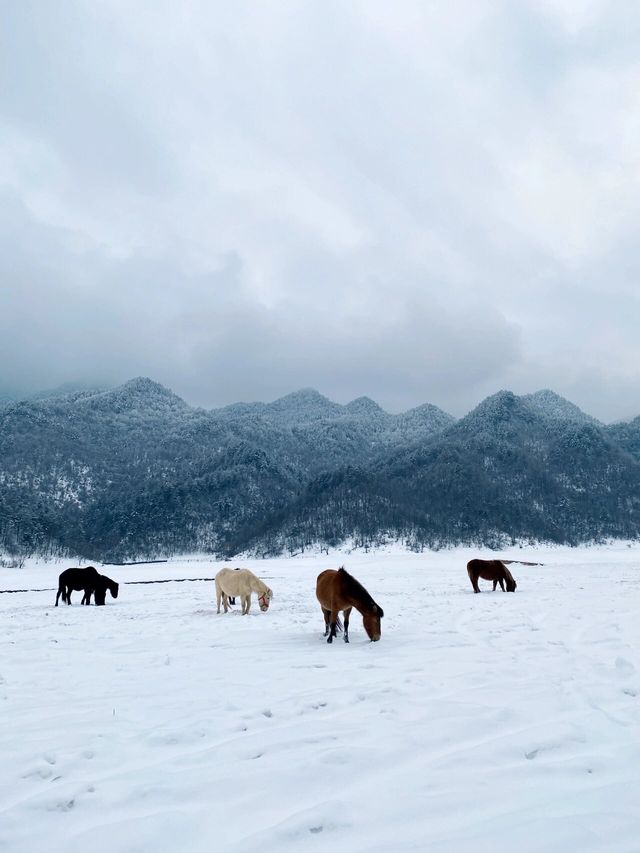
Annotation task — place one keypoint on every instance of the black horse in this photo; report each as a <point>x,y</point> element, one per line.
<point>88,580</point>
<point>103,584</point>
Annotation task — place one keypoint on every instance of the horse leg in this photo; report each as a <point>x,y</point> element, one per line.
<point>60,592</point>
<point>334,626</point>
<point>218,597</point>
<point>68,595</point>
<point>501,582</point>
<point>474,580</point>
<point>225,602</point>
<point>347,613</point>
<point>495,584</point>
<point>248,603</point>
<point>327,616</point>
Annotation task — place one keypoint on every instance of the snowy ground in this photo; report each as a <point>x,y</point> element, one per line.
<point>490,722</point>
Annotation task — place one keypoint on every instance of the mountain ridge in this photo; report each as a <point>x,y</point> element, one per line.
<point>135,470</point>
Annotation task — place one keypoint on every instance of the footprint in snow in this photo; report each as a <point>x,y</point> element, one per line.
<point>62,806</point>
<point>624,667</point>
<point>43,773</point>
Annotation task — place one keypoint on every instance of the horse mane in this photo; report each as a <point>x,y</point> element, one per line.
<point>262,587</point>
<point>507,572</point>
<point>355,589</point>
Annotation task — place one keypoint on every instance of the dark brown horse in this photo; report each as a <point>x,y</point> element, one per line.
<point>490,570</point>
<point>337,590</point>
<point>88,580</point>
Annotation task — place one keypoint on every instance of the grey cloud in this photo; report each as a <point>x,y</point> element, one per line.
<point>206,336</point>
<point>411,202</point>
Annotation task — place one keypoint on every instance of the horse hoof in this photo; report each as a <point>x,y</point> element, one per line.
<point>330,640</point>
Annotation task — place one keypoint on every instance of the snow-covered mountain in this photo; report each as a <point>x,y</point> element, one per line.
<point>554,407</point>
<point>135,470</point>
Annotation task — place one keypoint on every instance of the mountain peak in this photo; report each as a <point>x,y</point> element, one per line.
<point>364,406</point>
<point>499,405</point>
<point>144,385</point>
<point>306,395</point>
<point>306,404</point>
<point>427,413</point>
<point>498,412</point>
<point>554,407</point>
<point>137,392</point>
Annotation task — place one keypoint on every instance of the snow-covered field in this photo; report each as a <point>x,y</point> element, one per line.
<point>491,722</point>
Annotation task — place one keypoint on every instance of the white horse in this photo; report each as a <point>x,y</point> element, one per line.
<point>242,582</point>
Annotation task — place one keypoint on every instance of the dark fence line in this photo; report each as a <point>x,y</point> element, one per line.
<point>136,563</point>
<point>164,580</point>
<point>172,580</point>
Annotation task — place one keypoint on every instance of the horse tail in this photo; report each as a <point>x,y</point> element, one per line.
<point>339,626</point>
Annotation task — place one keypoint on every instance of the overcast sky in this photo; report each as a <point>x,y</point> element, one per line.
<point>421,202</point>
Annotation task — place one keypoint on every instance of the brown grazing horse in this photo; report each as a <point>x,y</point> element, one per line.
<point>338,590</point>
<point>490,570</point>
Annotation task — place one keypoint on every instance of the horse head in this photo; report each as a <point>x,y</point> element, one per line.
<point>105,584</point>
<point>511,585</point>
<point>264,599</point>
<point>371,621</point>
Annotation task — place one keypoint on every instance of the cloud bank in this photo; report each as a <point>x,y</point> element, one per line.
<point>418,202</point>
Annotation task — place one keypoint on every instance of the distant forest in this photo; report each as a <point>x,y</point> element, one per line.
<point>135,472</point>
